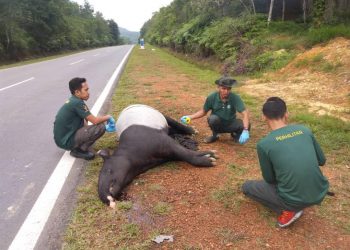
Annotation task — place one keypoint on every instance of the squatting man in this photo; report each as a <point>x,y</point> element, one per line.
<point>223,105</point>
<point>71,131</point>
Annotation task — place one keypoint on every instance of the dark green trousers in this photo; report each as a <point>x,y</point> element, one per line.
<point>266,194</point>
<point>218,126</point>
<point>87,135</point>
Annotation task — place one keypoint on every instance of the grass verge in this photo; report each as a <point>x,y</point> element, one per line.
<point>95,226</point>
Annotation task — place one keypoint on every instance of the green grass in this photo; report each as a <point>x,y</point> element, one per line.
<point>318,63</point>
<point>229,196</point>
<point>317,58</point>
<point>332,133</point>
<point>162,208</point>
<point>238,171</point>
<point>326,33</point>
<point>124,205</point>
<point>301,63</point>
<point>228,236</point>
<point>129,231</point>
<point>155,187</point>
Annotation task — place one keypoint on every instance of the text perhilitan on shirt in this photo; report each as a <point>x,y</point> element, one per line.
<point>139,114</point>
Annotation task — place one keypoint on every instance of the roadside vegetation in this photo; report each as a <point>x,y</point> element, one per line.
<point>241,35</point>
<point>204,208</point>
<point>32,28</point>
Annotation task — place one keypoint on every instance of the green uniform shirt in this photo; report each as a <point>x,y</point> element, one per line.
<point>290,158</point>
<point>68,120</point>
<point>224,110</point>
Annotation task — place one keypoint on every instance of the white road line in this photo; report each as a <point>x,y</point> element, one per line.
<point>32,78</point>
<point>77,62</point>
<point>29,233</point>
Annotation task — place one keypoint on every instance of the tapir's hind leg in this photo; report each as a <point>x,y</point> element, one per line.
<point>178,152</point>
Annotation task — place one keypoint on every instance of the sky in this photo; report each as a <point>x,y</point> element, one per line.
<point>128,14</point>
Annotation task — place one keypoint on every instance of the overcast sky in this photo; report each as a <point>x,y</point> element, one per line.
<point>128,14</point>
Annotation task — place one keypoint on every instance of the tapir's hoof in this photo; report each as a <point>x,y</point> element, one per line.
<point>104,153</point>
<point>214,154</point>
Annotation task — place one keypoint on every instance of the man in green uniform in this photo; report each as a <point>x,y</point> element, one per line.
<point>289,158</point>
<point>71,131</point>
<point>223,105</point>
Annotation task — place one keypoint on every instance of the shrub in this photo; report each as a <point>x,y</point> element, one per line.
<point>326,33</point>
<point>288,27</point>
<point>270,60</point>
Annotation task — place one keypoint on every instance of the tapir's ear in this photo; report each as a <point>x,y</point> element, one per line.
<point>104,153</point>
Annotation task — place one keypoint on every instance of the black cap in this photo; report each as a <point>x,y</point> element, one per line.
<point>226,81</point>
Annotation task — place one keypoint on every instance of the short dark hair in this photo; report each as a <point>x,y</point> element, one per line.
<point>76,84</point>
<point>274,108</point>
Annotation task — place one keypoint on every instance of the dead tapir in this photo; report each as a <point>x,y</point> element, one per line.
<point>144,142</point>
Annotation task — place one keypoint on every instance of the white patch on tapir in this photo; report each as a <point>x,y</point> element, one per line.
<point>133,115</point>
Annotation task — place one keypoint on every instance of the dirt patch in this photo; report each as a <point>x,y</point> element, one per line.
<point>319,79</point>
<point>206,209</point>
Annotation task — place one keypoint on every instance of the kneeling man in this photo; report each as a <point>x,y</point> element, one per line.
<point>289,158</point>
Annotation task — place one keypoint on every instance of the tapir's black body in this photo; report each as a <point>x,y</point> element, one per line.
<point>142,148</point>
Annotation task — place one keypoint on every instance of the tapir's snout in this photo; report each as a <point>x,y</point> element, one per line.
<point>112,202</point>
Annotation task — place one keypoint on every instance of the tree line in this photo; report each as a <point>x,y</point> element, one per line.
<point>40,27</point>
<point>237,31</point>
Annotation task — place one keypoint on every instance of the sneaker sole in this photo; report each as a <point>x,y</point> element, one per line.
<point>296,216</point>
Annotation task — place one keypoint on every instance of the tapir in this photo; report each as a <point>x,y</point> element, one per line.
<point>144,142</point>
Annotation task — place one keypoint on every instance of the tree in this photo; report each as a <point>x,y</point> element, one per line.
<point>304,11</point>
<point>35,27</point>
<point>270,12</point>
<point>114,30</point>
<point>253,6</point>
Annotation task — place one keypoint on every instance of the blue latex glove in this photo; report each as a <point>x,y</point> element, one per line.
<point>244,137</point>
<point>186,119</point>
<point>111,120</point>
<point>110,126</point>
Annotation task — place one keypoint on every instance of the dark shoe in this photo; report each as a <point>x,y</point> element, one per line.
<point>78,153</point>
<point>211,139</point>
<point>288,217</point>
<point>235,136</point>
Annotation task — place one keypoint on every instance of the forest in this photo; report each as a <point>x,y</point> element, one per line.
<point>43,27</point>
<point>247,35</point>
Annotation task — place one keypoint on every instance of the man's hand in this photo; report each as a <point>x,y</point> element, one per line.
<point>110,126</point>
<point>244,137</point>
<point>186,119</point>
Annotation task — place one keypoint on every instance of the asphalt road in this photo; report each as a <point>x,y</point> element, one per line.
<point>30,96</point>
